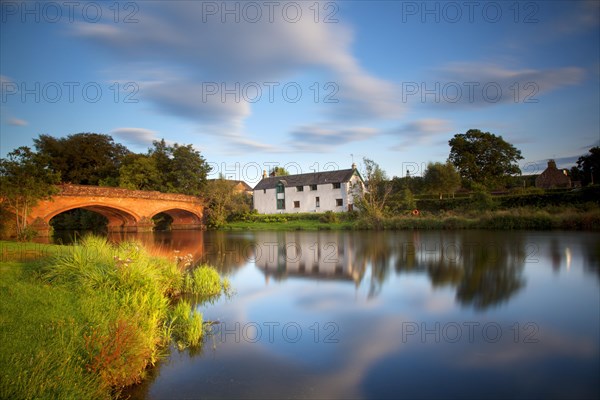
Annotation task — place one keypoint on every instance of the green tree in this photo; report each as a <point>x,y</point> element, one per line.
<point>278,171</point>
<point>373,200</point>
<point>223,201</point>
<point>182,168</point>
<point>484,158</point>
<point>589,166</point>
<point>23,182</point>
<point>139,172</point>
<point>441,178</point>
<point>83,158</point>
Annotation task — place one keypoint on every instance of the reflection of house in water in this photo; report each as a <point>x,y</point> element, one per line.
<point>317,255</point>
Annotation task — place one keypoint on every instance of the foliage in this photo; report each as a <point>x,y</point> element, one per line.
<point>224,202</point>
<point>203,281</point>
<point>140,172</point>
<point>182,169</point>
<point>481,198</point>
<point>23,182</point>
<point>278,171</point>
<point>588,167</point>
<point>372,201</point>
<point>329,217</point>
<point>441,178</point>
<point>484,158</point>
<point>83,158</point>
<point>123,310</point>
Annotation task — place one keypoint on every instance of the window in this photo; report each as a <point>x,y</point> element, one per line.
<point>299,188</point>
<point>317,202</point>
<point>339,202</point>
<point>280,187</point>
<point>336,185</point>
<point>264,191</point>
<point>281,204</point>
<point>296,204</point>
<point>313,187</point>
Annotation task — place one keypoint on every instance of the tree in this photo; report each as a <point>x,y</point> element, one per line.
<point>484,158</point>
<point>23,182</point>
<point>139,172</point>
<point>589,166</point>
<point>83,158</point>
<point>278,171</point>
<point>223,201</point>
<point>441,178</point>
<point>373,201</point>
<point>181,167</point>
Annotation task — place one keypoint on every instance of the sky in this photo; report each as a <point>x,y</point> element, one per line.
<point>306,85</point>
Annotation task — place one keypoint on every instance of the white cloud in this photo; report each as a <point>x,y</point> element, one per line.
<point>472,84</point>
<point>17,122</point>
<point>135,136</point>
<point>320,138</point>
<point>422,132</point>
<point>188,48</point>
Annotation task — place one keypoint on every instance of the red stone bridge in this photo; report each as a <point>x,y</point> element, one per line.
<point>126,210</point>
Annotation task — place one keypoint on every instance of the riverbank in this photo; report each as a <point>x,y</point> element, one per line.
<point>85,321</point>
<point>566,218</point>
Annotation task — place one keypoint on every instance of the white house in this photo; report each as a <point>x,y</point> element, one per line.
<point>313,192</point>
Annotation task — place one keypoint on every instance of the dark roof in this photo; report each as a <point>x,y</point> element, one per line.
<point>313,178</point>
<point>552,177</point>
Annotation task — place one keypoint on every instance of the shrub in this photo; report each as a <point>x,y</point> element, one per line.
<point>329,217</point>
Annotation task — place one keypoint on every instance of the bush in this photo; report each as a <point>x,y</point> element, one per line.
<point>329,217</point>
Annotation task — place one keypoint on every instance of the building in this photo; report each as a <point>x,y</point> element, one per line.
<point>553,177</point>
<point>236,186</point>
<point>312,192</point>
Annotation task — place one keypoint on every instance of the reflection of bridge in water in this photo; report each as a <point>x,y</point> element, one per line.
<point>316,255</point>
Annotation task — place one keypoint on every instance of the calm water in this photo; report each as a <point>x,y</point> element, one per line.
<point>469,314</point>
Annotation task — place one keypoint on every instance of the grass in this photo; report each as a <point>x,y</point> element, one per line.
<point>88,320</point>
<point>583,217</point>
<point>294,225</point>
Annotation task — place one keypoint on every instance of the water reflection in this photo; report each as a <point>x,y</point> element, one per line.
<point>317,255</point>
<point>530,288</point>
<point>485,270</point>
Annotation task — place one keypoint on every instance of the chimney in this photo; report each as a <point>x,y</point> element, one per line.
<point>551,164</point>
<point>264,173</point>
<point>353,165</point>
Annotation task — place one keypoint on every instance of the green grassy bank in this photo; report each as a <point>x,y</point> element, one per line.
<point>84,321</point>
<point>570,218</point>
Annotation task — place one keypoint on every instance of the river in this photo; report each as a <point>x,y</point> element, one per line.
<point>412,314</point>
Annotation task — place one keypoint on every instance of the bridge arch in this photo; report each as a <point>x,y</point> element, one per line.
<point>119,219</point>
<point>182,218</point>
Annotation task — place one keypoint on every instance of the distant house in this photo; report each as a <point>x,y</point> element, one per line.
<point>312,192</point>
<point>242,187</point>
<point>553,177</point>
<point>237,186</point>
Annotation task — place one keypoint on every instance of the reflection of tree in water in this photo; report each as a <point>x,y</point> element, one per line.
<point>227,252</point>
<point>492,271</point>
<point>591,257</point>
<point>485,267</point>
<point>375,252</point>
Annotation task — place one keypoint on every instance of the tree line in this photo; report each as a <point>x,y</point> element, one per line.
<point>478,163</point>
<point>28,175</point>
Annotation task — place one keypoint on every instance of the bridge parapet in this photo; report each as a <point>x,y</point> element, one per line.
<point>107,191</point>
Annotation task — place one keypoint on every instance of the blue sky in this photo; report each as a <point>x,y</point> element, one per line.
<point>306,85</point>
